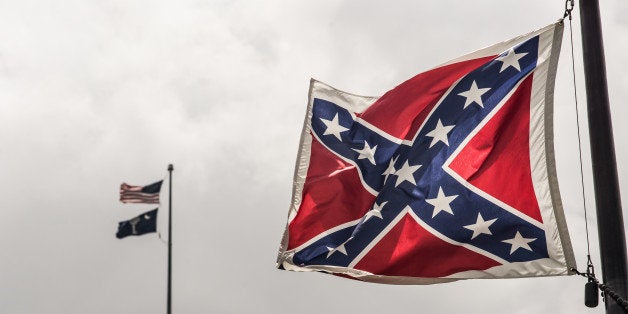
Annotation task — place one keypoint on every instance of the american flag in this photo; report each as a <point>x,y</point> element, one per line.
<point>148,194</point>
<point>448,176</point>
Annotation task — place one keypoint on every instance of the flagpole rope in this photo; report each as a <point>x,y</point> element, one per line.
<point>161,239</point>
<point>569,5</point>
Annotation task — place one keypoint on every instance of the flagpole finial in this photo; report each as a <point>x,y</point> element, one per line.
<point>170,167</point>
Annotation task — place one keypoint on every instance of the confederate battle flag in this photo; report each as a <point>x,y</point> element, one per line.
<point>448,176</point>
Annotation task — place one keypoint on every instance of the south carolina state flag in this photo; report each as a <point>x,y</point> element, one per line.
<point>448,176</point>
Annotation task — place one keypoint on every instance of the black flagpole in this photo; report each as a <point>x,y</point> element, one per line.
<point>170,168</point>
<point>607,199</point>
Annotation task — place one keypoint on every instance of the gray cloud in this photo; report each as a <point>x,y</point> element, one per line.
<point>96,93</point>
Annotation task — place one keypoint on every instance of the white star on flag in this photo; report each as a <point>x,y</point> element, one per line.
<point>519,242</point>
<point>474,95</point>
<point>480,226</point>
<point>441,202</point>
<point>406,173</point>
<point>334,127</point>
<point>391,169</point>
<point>341,248</point>
<point>511,59</point>
<point>367,152</point>
<point>440,133</point>
<point>376,211</point>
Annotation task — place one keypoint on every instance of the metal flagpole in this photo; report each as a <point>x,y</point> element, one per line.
<point>169,306</point>
<point>607,199</point>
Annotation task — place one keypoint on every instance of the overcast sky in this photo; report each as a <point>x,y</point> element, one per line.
<point>94,93</point>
